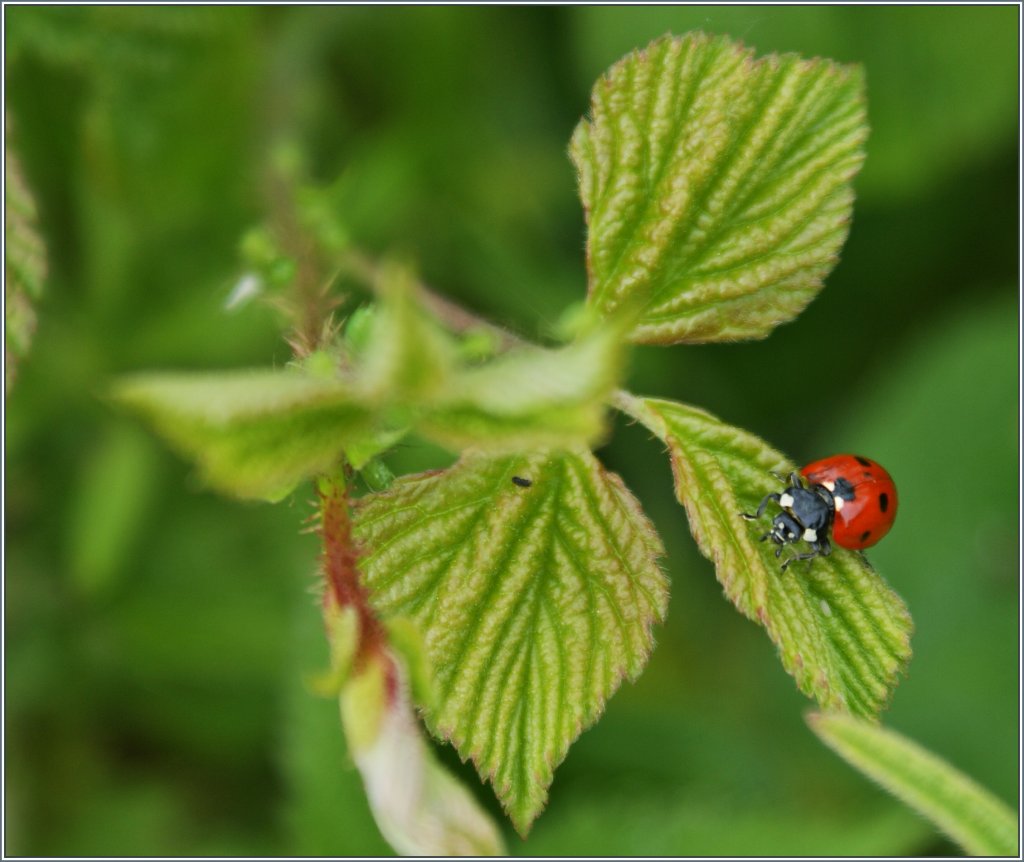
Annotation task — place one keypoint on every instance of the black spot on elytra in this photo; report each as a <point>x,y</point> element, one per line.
<point>883,501</point>
<point>844,489</point>
<point>521,482</point>
<point>864,462</point>
<point>864,535</point>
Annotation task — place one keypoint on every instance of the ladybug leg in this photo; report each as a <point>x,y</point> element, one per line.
<point>761,508</point>
<point>793,480</point>
<point>810,555</point>
<point>820,548</point>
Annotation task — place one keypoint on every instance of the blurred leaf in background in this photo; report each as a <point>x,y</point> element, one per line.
<point>157,636</point>
<point>24,262</point>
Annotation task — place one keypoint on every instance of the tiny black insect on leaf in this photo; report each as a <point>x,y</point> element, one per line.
<point>521,482</point>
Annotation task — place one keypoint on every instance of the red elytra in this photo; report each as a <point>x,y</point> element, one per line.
<point>862,521</point>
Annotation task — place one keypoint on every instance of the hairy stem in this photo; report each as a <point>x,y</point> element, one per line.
<point>310,305</point>
<point>343,586</point>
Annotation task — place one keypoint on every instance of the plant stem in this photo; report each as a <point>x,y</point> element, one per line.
<point>310,304</point>
<point>451,314</point>
<point>343,586</point>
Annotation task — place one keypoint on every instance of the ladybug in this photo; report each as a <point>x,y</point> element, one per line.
<point>848,498</point>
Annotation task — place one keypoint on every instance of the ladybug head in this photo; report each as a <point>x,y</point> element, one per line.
<point>785,529</point>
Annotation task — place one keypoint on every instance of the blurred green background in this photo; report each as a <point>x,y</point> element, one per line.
<point>157,635</point>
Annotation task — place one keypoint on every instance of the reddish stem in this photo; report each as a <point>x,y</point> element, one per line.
<point>343,587</point>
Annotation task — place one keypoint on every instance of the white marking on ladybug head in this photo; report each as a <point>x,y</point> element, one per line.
<point>828,483</point>
<point>786,501</point>
<point>840,502</point>
<point>810,535</point>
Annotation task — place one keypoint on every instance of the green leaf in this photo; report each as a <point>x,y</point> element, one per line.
<point>527,398</point>
<point>534,602</point>
<point>841,631</point>
<point>408,358</point>
<point>717,188</point>
<point>530,397</point>
<point>968,813</point>
<point>364,448</point>
<point>257,433</point>
<point>254,433</point>
<point>24,264</point>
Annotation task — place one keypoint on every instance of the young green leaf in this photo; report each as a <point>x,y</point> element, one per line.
<point>416,376</point>
<point>408,358</point>
<point>362,449</point>
<point>717,188</point>
<point>24,264</point>
<point>253,433</point>
<point>841,631</point>
<point>968,813</point>
<point>534,580</point>
<point>530,397</point>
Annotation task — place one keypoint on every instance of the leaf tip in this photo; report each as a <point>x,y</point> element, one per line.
<point>524,816</point>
